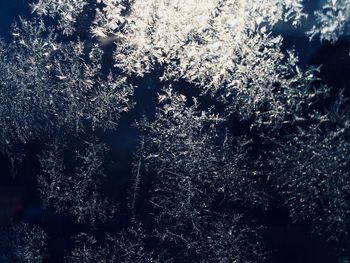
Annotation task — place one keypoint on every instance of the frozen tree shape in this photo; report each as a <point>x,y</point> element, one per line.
<point>266,84</point>
<point>216,44</point>
<point>49,87</point>
<point>333,21</point>
<point>72,186</point>
<point>22,244</point>
<point>109,18</point>
<point>231,240</point>
<point>223,46</point>
<point>313,173</point>
<point>67,11</point>
<point>195,176</point>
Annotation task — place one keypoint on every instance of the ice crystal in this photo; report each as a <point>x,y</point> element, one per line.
<point>73,186</point>
<point>237,122</point>
<point>217,45</point>
<point>127,247</point>
<point>333,20</point>
<point>194,178</point>
<point>49,87</point>
<point>67,11</point>
<point>22,243</point>
<point>187,36</point>
<point>314,178</point>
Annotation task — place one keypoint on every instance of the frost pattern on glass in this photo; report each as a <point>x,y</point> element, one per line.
<point>127,247</point>
<point>313,173</point>
<point>223,46</point>
<point>238,126</point>
<point>67,11</point>
<point>333,20</point>
<point>195,176</point>
<point>70,181</point>
<point>193,32</point>
<point>48,87</point>
<point>22,243</point>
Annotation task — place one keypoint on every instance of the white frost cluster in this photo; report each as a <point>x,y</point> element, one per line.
<point>213,44</point>
<point>108,18</point>
<point>48,87</point>
<point>67,11</point>
<point>208,169</point>
<point>333,20</point>
<point>193,39</point>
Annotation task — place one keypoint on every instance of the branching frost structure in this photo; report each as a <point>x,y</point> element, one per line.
<point>72,186</point>
<point>48,87</point>
<point>22,243</point>
<point>313,173</point>
<point>333,20</point>
<point>206,178</point>
<point>217,45</point>
<point>66,11</point>
<point>208,174</point>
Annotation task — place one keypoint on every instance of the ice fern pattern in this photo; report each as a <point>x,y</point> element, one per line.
<point>173,131</point>
<point>67,11</point>
<point>47,87</point>
<point>315,173</point>
<point>72,186</point>
<point>22,243</point>
<point>195,177</point>
<point>221,46</point>
<point>333,20</point>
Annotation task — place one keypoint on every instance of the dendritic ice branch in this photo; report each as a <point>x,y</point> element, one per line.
<point>230,85</point>
<point>22,243</point>
<point>333,20</point>
<point>223,46</point>
<point>70,183</point>
<point>49,87</point>
<point>220,46</point>
<point>127,247</point>
<point>66,11</point>
<point>312,172</point>
<point>195,176</point>
<point>186,36</point>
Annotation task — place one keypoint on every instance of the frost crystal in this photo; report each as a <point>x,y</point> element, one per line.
<point>66,10</point>
<point>72,186</point>
<point>194,175</point>
<point>22,243</point>
<point>187,36</point>
<point>313,173</point>
<point>127,247</point>
<point>333,20</point>
<point>49,87</point>
<point>217,45</point>
<point>239,127</point>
